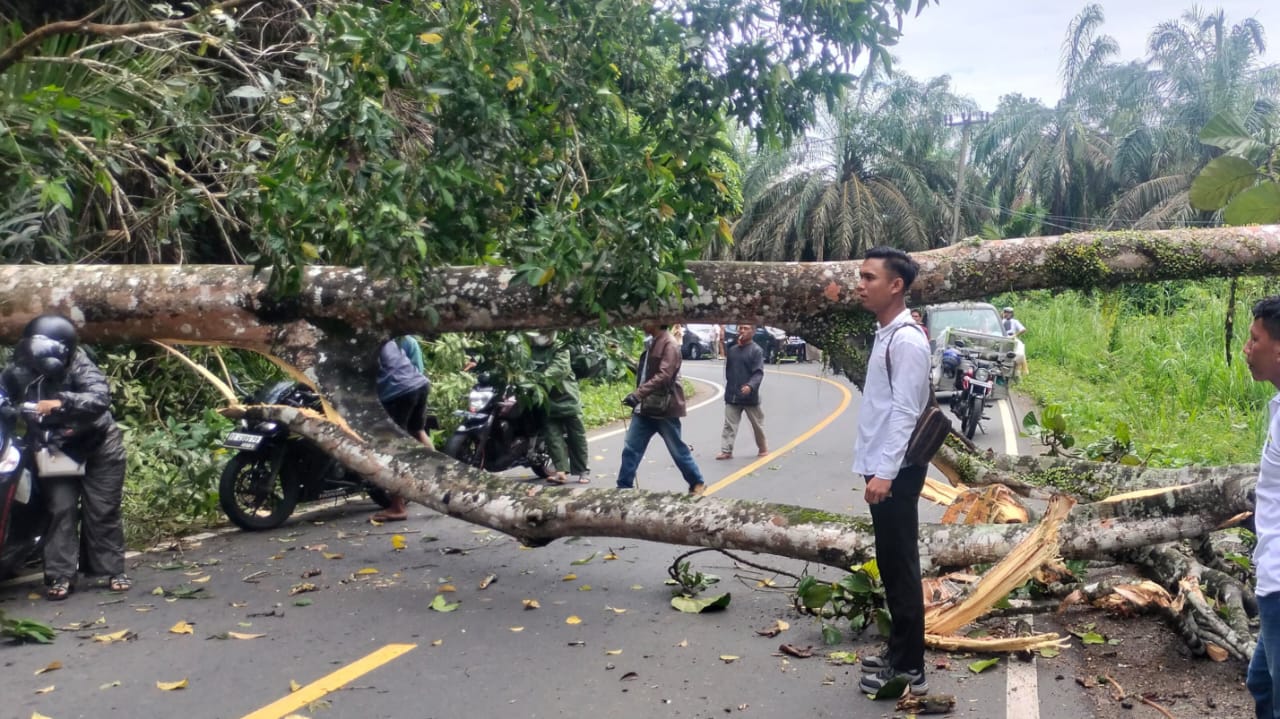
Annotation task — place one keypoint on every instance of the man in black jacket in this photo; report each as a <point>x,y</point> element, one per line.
<point>73,402</point>
<point>743,371</point>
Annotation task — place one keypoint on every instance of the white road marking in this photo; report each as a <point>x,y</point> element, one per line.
<point>1010,430</point>
<point>719,392</point>
<point>1022,691</point>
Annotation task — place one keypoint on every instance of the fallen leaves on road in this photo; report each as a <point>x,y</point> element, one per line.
<point>302,587</point>
<point>182,628</point>
<point>171,686</point>
<point>123,635</point>
<point>530,603</point>
<point>983,664</point>
<point>331,555</point>
<point>613,652</point>
<point>294,686</point>
<point>584,560</point>
<point>569,577</point>
<point>616,610</point>
<point>366,572</point>
<point>242,635</point>
<point>201,580</point>
<point>50,667</point>
<point>778,627</point>
<point>110,685</point>
<point>629,676</point>
<point>441,605</point>
<point>574,619</point>
<point>697,605</point>
<point>517,629</point>
<point>797,652</point>
<point>446,588</point>
<point>729,658</point>
<point>397,542</point>
<point>46,690</point>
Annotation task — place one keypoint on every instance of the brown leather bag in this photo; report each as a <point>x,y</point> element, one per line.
<point>932,427</point>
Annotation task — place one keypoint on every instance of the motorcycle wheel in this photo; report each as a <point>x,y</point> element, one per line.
<point>972,416</point>
<point>252,509</point>
<point>463,447</point>
<point>541,467</point>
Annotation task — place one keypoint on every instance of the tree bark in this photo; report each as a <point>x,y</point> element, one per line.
<point>329,334</point>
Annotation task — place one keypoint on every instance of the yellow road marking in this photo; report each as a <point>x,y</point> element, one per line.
<point>336,680</point>
<point>844,404</point>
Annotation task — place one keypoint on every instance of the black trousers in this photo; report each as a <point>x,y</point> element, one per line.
<point>897,528</point>
<point>92,504</point>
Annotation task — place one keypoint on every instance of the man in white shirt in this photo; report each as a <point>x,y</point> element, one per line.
<point>1262,353</point>
<point>895,392</point>
<point>1012,327</point>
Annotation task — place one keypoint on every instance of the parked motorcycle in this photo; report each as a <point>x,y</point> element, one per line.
<point>23,520</point>
<point>273,469</point>
<point>976,374</point>
<point>496,433</point>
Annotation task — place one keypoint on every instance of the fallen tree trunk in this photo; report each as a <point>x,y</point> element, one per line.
<point>538,515</point>
<point>230,305</point>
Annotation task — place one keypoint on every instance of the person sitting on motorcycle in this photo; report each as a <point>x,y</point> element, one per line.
<point>563,430</point>
<point>73,400</point>
<point>403,391</point>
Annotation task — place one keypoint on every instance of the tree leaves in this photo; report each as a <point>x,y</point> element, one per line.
<point>697,605</point>
<point>440,604</point>
<point>1220,180</point>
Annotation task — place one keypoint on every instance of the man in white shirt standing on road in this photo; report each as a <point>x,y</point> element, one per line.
<point>1262,354</point>
<point>893,396</point>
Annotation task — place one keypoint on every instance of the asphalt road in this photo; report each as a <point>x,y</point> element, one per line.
<point>603,640</point>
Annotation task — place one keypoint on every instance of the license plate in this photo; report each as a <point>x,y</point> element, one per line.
<point>242,440</point>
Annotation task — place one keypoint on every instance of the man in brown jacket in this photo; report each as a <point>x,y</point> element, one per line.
<point>658,404</point>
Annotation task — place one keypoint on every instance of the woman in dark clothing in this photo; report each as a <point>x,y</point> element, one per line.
<point>73,401</point>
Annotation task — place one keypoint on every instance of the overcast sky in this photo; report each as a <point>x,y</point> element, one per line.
<point>994,47</point>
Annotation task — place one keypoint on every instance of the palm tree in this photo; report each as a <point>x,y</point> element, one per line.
<point>1058,157</point>
<point>1199,66</point>
<point>877,171</point>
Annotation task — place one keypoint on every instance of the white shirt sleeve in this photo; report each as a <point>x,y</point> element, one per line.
<point>910,389</point>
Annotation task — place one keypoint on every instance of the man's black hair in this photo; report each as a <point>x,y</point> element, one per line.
<point>1268,312</point>
<point>898,262</point>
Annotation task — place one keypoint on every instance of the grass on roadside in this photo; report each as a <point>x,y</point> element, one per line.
<point>1157,365</point>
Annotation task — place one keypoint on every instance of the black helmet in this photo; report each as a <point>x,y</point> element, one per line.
<point>47,346</point>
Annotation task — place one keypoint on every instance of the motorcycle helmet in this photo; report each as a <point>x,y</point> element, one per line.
<point>48,343</point>
<point>950,360</point>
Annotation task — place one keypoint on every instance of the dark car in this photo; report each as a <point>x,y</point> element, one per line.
<point>771,339</point>
<point>697,342</point>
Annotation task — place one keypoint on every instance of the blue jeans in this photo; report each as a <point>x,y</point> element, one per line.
<point>1263,678</point>
<point>639,433</point>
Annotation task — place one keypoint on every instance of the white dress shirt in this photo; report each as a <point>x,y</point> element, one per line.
<point>887,416</point>
<point>1266,518</point>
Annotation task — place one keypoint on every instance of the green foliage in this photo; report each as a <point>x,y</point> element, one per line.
<point>26,630</point>
<point>1165,377</point>
<point>1244,183</point>
<point>1050,430</point>
<point>690,582</point>
<point>858,598</point>
<point>1116,447</point>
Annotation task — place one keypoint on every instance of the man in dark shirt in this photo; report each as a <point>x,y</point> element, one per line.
<point>743,371</point>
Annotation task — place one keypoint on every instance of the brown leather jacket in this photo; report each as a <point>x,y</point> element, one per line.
<point>662,363</point>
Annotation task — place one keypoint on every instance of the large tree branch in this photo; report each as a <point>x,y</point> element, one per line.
<point>84,26</point>
<point>537,515</point>
<point>229,305</point>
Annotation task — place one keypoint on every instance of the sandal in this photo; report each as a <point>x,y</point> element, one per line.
<point>385,516</point>
<point>121,583</point>
<point>558,478</point>
<point>58,589</point>
<point>584,479</point>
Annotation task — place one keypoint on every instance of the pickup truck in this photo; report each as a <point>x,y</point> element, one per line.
<point>970,327</point>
